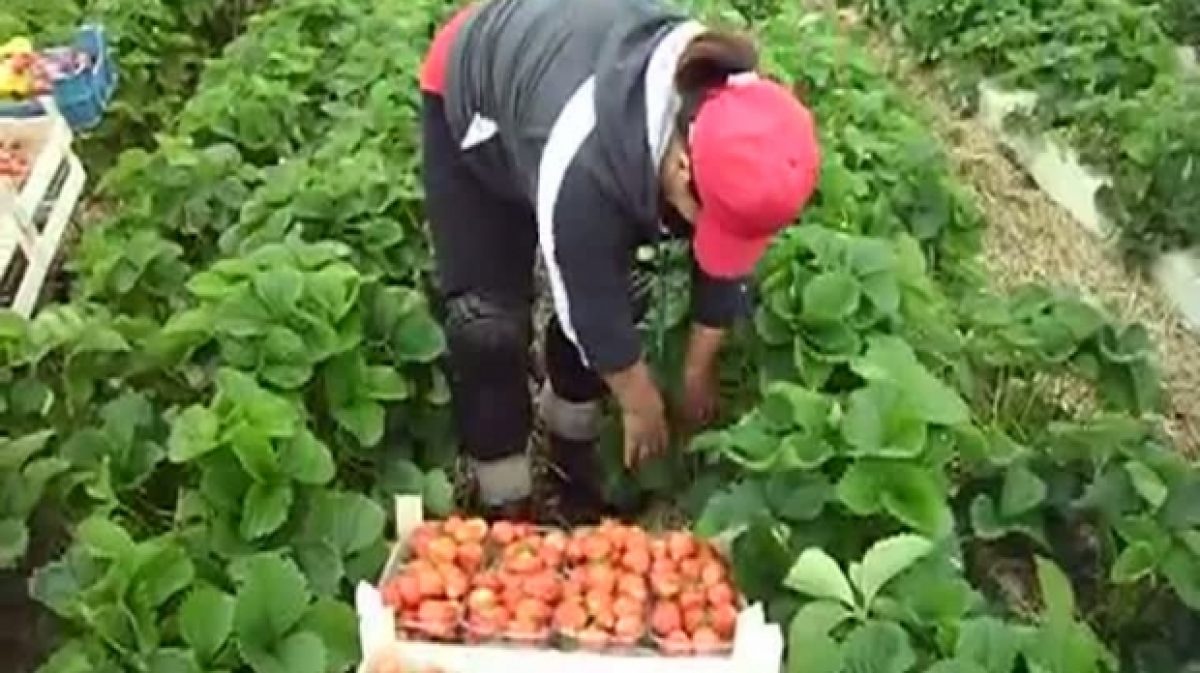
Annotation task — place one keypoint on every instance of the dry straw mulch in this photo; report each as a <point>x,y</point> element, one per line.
<point>1029,238</point>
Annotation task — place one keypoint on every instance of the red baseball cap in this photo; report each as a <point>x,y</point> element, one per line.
<point>755,163</point>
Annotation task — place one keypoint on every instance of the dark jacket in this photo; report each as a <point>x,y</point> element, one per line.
<point>569,105</point>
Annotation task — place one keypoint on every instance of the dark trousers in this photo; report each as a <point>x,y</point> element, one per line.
<point>484,248</point>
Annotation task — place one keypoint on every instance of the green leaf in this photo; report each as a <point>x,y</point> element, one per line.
<point>787,405</point>
<point>987,524</point>
<point>364,419</point>
<point>14,540</point>
<point>271,599</point>
<point>105,539</point>
<point>418,338</point>
<point>990,643</point>
<point>438,494</point>
<point>772,329</point>
<point>797,496</point>
<point>385,383</point>
<point>15,452</point>
<point>1135,562</point>
<point>172,660</point>
<point>1147,483</point>
<point>206,620</point>
<point>817,618</point>
<point>1182,570</point>
<point>878,647</point>
<point>300,652</point>
<point>307,460</point>
<point>164,571</point>
<point>1057,595</point>
<point>279,289</point>
<point>1022,491</point>
<point>883,290</point>
<point>56,586</point>
<point>886,559</point>
<point>193,434</point>
<point>265,413</point>
<point>804,451</point>
<point>70,658</point>
<point>879,424</point>
<point>334,288</point>
<point>303,652</point>
<point>337,625</point>
<point>890,359</point>
<point>914,495</point>
<point>956,666</point>
<point>349,521</point>
<point>859,488</point>
<point>322,565</point>
<point>266,509</point>
<point>255,453</point>
<point>731,509</point>
<point>1191,541</point>
<point>816,574</point>
<point>863,424</point>
<point>831,296</point>
<point>813,653</point>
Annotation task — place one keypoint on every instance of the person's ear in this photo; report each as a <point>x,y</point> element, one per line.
<point>685,163</point>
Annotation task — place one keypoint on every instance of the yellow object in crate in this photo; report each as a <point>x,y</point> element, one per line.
<point>15,82</point>
<point>17,45</point>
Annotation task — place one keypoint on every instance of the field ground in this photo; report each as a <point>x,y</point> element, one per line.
<point>1032,239</point>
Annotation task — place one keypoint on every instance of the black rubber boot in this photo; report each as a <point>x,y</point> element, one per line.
<point>517,511</point>
<point>580,481</point>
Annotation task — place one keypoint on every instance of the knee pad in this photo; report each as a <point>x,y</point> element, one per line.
<point>489,385</point>
<point>485,335</point>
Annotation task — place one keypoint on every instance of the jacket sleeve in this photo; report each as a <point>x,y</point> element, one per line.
<point>588,252</point>
<point>718,302</point>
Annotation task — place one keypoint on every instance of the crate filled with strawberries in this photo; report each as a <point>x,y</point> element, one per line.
<point>462,588</point>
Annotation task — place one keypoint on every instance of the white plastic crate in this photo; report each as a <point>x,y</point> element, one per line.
<point>757,645</point>
<point>34,217</point>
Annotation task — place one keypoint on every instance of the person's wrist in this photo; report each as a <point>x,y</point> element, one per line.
<point>696,371</point>
<point>647,403</point>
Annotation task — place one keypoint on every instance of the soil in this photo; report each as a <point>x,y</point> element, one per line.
<point>27,630</point>
<point>1029,238</point>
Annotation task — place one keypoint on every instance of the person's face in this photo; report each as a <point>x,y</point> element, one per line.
<point>676,178</point>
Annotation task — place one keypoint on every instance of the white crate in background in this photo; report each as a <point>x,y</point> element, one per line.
<point>35,215</point>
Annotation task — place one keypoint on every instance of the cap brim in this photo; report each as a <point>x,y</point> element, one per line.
<point>723,255</point>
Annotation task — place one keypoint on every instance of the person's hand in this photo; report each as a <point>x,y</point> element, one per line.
<point>701,397</point>
<point>643,414</point>
<point>701,386</point>
<point>646,433</point>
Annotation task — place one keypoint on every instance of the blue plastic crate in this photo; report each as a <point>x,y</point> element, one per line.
<point>83,97</point>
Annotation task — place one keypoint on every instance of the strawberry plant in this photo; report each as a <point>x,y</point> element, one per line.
<point>24,475</point>
<point>142,608</point>
<point>1108,82</point>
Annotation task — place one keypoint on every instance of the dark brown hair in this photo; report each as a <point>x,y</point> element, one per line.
<point>705,63</point>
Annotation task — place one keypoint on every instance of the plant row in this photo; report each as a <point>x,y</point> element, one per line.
<point>247,365</point>
<point>1181,19</point>
<point>925,475</point>
<point>1109,84</point>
